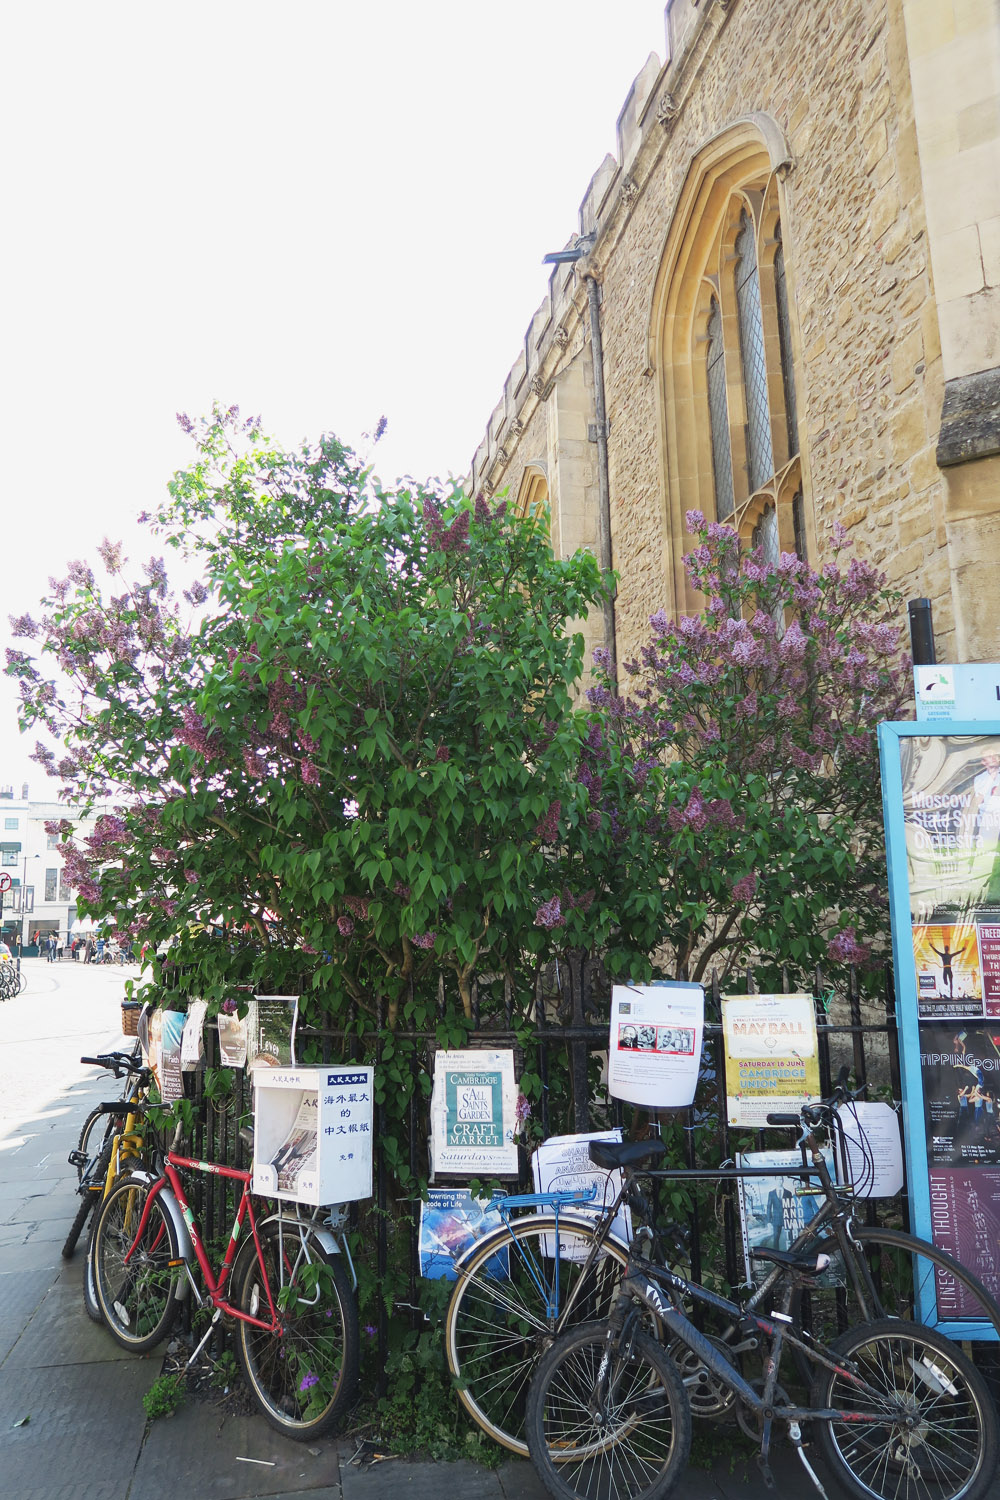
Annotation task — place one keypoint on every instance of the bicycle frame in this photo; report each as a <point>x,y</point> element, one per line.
<point>642,1282</point>
<point>170,1181</point>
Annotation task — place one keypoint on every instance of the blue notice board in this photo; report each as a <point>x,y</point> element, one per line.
<point>941,800</point>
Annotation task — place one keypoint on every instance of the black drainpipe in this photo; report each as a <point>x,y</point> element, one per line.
<point>603,487</point>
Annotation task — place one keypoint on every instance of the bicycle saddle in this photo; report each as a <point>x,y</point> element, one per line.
<point>806,1261</point>
<point>611,1154</point>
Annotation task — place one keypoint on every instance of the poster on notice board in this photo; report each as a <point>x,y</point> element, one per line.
<point>951,818</point>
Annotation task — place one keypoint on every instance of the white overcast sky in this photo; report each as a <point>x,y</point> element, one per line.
<point>322,211</point>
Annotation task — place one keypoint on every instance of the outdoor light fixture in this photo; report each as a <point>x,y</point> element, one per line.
<point>583,246</point>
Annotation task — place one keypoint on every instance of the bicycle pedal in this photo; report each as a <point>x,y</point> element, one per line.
<point>77,1158</point>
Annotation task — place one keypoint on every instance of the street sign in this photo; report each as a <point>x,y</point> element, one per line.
<point>5,882</point>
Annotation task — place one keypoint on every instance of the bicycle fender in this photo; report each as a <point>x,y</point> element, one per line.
<point>175,1214</point>
<point>328,1241</point>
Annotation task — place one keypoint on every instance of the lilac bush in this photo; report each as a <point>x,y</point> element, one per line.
<point>733,785</point>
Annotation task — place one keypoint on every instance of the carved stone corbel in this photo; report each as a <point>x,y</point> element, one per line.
<point>667,110</point>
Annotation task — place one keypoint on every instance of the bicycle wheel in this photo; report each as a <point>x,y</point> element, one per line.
<point>88,1202</point>
<point>135,1276</point>
<point>90,1302</point>
<point>302,1376</point>
<point>510,1294</point>
<point>604,1425</point>
<point>99,1125</point>
<point>937,1437</point>
<point>911,1279</point>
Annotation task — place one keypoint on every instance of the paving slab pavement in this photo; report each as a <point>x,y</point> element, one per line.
<point>86,1436</point>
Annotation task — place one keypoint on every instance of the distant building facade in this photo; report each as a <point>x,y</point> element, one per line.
<point>39,898</point>
<point>797,262</point>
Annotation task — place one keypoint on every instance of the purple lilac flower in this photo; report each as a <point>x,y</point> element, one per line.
<point>549,914</point>
<point>308,1381</point>
<point>844,947</point>
<point>547,828</point>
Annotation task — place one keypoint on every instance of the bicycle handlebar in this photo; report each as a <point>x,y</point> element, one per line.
<point>119,1063</point>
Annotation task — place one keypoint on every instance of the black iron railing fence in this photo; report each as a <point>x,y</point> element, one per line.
<point>562,1048</point>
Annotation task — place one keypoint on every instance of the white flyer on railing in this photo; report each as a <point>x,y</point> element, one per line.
<point>562,1164</point>
<point>655,1045</point>
<point>193,1041</point>
<point>873,1148</point>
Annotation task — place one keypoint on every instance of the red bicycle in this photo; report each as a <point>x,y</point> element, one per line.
<point>288,1287</point>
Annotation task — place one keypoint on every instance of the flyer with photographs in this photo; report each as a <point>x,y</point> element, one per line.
<point>451,1220</point>
<point>960,1073</point>
<point>654,1050</point>
<point>473,1113</point>
<point>772,1056</point>
<point>951,813</point>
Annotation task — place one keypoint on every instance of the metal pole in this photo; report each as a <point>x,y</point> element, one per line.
<point>603,486</point>
<point>921,633</point>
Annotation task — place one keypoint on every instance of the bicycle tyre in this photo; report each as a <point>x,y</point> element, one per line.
<point>88,1146</point>
<point>906,1272</point>
<point>90,1302</point>
<point>88,1202</point>
<point>302,1377</point>
<point>138,1296</point>
<point>498,1326</point>
<point>635,1446</point>
<point>949,1447</point>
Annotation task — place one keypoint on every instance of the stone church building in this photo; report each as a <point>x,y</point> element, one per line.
<point>782,307</point>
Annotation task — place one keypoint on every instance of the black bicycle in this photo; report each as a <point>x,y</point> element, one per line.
<point>518,1288</point>
<point>896,1408</point>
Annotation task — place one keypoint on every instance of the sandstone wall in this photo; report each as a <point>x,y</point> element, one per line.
<point>836,80</point>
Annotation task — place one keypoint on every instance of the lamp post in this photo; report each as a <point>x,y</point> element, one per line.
<point>24,899</point>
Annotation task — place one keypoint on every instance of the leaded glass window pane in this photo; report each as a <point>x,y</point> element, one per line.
<point>718,413</point>
<point>785,345</point>
<point>760,457</point>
